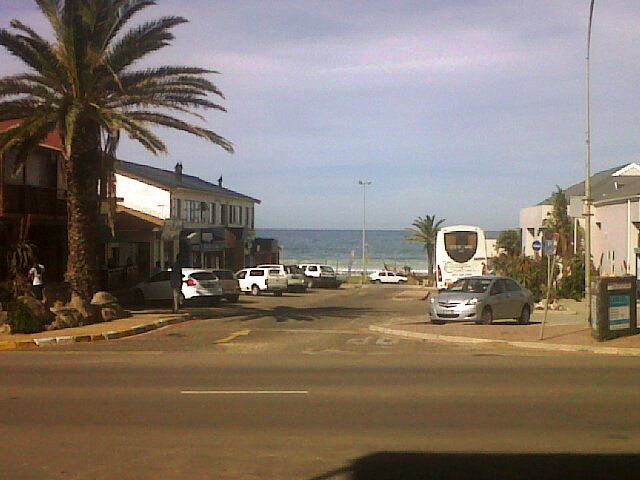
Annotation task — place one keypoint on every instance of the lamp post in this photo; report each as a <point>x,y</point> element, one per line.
<point>365,184</point>
<point>587,183</point>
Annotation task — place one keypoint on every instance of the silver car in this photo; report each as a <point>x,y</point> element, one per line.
<point>481,300</point>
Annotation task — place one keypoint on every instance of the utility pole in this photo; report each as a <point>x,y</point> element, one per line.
<point>365,184</point>
<point>587,183</point>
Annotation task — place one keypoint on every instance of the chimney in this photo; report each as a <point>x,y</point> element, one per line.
<point>178,170</point>
<point>220,181</point>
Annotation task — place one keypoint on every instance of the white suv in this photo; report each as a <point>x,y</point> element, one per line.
<point>384,276</point>
<point>197,284</point>
<point>257,280</point>
<point>319,275</point>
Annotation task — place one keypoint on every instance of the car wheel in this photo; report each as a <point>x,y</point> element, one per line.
<point>525,316</point>
<point>255,290</point>
<point>182,299</point>
<point>138,298</point>
<point>377,282</point>
<point>214,302</point>
<point>233,298</point>
<point>277,294</point>
<point>487,316</point>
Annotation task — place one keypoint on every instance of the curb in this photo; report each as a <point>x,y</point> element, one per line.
<point>111,335</point>
<point>551,347</point>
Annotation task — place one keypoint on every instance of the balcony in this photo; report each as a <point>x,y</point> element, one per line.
<point>23,200</point>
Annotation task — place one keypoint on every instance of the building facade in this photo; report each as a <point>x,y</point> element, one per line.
<point>615,226</point>
<point>209,225</point>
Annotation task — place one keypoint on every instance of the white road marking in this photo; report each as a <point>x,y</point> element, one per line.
<point>244,392</point>
<point>359,341</point>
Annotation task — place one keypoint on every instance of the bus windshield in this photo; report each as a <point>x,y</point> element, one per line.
<point>461,246</point>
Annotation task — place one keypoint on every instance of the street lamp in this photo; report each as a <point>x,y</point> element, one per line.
<point>587,183</point>
<point>365,184</point>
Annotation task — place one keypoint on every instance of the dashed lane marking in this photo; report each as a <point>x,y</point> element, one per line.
<point>244,392</point>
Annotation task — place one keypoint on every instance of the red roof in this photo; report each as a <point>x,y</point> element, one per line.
<point>52,140</point>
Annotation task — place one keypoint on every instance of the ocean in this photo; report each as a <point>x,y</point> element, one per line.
<point>342,248</point>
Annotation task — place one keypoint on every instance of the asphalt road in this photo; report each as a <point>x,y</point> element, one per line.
<point>307,393</point>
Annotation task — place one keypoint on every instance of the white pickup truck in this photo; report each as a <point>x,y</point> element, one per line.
<point>258,280</point>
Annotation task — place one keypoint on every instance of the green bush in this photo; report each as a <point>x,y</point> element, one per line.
<point>22,320</point>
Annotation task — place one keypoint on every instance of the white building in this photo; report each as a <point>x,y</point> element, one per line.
<point>162,212</point>
<point>615,224</point>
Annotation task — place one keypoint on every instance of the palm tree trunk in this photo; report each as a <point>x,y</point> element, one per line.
<point>83,170</point>
<point>430,256</point>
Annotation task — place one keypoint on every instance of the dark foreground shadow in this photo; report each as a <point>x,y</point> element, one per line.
<point>300,314</point>
<point>461,466</point>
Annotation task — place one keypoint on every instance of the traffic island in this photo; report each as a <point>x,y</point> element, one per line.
<point>136,324</point>
<point>558,338</point>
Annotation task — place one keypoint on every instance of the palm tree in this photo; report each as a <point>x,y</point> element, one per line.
<point>424,231</point>
<point>84,85</point>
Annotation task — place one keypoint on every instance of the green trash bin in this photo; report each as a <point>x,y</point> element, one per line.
<point>613,312</point>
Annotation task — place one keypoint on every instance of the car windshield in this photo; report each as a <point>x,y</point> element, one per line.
<point>470,285</point>
<point>293,269</point>
<point>326,269</point>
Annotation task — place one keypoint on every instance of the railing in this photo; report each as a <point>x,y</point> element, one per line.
<point>23,199</point>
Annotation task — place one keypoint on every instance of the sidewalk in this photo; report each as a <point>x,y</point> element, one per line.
<point>564,331</point>
<point>137,323</point>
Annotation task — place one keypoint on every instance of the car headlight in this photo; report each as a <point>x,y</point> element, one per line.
<point>471,301</point>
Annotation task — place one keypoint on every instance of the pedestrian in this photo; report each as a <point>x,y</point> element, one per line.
<point>36,277</point>
<point>158,268</point>
<point>176,283</point>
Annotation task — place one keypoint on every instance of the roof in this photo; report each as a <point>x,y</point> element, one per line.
<point>617,183</point>
<point>167,179</point>
<point>52,141</point>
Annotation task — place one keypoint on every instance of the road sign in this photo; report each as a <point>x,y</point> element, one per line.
<point>549,247</point>
<point>536,245</point>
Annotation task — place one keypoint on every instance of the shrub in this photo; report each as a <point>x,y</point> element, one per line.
<point>22,320</point>
<point>6,292</point>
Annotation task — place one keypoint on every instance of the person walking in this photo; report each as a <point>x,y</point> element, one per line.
<point>36,277</point>
<point>176,283</point>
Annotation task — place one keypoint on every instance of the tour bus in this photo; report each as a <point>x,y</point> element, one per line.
<point>461,251</point>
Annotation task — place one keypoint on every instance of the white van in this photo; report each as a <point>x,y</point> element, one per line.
<point>257,280</point>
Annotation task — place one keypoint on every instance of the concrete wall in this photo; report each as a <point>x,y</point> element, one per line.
<point>143,197</point>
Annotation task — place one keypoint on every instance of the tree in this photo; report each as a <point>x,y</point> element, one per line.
<point>425,231</point>
<point>558,222</point>
<point>510,242</point>
<point>84,85</point>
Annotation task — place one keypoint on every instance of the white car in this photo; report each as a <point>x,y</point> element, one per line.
<point>196,284</point>
<point>384,276</point>
<point>257,280</point>
<point>296,282</point>
<point>320,275</point>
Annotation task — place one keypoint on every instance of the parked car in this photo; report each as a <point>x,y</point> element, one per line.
<point>229,283</point>
<point>197,284</point>
<point>385,276</point>
<point>296,281</point>
<point>257,280</point>
<point>482,299</point>
<point>318,275</point>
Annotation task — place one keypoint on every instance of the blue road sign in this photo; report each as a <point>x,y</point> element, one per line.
<point>536,245</point>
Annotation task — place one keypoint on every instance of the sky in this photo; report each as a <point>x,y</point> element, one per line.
<point>467,110</point>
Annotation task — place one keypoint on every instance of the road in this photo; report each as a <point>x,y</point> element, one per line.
<point>307,393</point>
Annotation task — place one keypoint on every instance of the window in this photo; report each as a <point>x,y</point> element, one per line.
<point>41,170</point>
<point>241,275</point>
<point>176,210</point>
<point>497,288</point>
<point>470,285</point>
<point>204,212</point>
<point>461,246</point>
<point>256,273</point>
<point>239,215</point>
<point>223,274</point>
<point>252,218</point>
<point>326,269</point>
<point>313,268</point>
<point>212,213</point>
<point>187,211</point>
<point>223,214</point>
<point>203,276</point>
<point>160,277</point>
<point>246,216</point>
<point>11,175</point>
<point>234,214</point>
<point>512,286</point>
